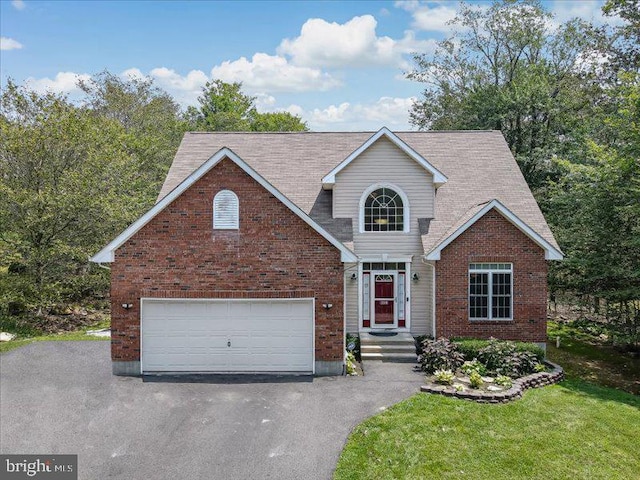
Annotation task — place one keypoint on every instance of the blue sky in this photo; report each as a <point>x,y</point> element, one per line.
<point>337,64</point>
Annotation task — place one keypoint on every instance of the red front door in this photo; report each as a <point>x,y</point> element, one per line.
<point>384,300</point>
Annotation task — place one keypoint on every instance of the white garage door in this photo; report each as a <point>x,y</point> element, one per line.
<point>227,335</point>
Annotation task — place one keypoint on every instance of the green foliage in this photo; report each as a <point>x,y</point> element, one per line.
<point>224,107</point>
<point>351,364</point>
<point>471,347</point>
<point>474,365</point>
<point>504,358</point>
<point>439,354</point>
<point>475,379</point>
<point>503,381</point>
<point>505,68</point>
<point>444,377</point>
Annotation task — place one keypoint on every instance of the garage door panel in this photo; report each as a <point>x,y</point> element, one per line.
<point>193,335</point>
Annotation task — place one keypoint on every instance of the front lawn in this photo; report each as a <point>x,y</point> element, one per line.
<point>571,430</point>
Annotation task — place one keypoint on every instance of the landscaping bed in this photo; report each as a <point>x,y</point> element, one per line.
<point>489,371</point>
<point>490,391</point>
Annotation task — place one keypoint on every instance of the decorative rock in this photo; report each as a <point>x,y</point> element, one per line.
<point>493,388</point>
<point>6,336</point>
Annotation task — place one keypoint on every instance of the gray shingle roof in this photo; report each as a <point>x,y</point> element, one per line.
<point>478,164</point>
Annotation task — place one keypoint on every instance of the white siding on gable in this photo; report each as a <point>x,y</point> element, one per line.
<point>226,210</point>
<point>384,163</point>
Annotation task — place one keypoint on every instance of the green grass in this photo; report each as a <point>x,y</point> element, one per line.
<point>586,357</point>
<point>26,337</point>
<point>572,430</point>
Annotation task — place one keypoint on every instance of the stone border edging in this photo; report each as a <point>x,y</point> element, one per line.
<point>535,380</point>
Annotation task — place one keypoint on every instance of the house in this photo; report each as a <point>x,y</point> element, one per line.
<point>264,249</point>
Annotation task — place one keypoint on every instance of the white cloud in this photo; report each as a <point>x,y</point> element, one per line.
<point>589,10</point>
<point>18,4</point>
<point>64,82</point>
<point>133,73</point>
<point>430,17</point>
<point>351,44</point>
<point>7,43</point>
<point>392,112</point>
<point>271,73</point>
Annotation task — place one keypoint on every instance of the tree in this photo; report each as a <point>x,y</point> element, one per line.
<point>67,182</point>
<point>150,117</point>
<point>223,107</point>
<point>505,69</point>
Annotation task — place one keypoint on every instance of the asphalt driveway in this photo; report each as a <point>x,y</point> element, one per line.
<point>60,397</point>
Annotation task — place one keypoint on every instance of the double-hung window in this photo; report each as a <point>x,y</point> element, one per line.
<point>491,291</point>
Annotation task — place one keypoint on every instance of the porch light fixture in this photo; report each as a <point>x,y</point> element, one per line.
<point>127,306</point>
<point>327,306</point>
<point>415,277</point>
<point>353,276</point>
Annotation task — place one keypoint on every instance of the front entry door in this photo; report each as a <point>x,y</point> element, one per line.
<point>384,299</point>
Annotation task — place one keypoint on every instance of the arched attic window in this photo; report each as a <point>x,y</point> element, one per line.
<point>384,209</point>
<point>226,211</point>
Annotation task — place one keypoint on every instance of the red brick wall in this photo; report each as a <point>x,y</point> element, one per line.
<point>273,254</point>
<point>492,239</point>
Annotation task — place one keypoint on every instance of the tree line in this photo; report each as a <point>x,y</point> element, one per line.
<point>73,173</point>
<point>567,99</point>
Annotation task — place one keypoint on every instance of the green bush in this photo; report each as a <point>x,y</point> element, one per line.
<point>351,364</point>
<point>470,347</point>
<point>439,354</point>
<point>444,377</point>
<point>473,366</point>
<point>504,358</point>
<point>475,380</point>
<point>504,381</point>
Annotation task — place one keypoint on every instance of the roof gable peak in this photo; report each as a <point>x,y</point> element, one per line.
<point>438,177</point>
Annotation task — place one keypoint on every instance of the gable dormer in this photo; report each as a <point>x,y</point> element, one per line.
<point>384,186</point>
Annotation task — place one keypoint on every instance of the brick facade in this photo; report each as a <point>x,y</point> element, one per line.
<point>492,239</point>
<point>274,254</point>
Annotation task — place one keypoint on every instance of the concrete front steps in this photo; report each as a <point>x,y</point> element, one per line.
<point>397,348</point>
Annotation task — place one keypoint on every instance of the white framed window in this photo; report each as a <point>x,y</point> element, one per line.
<point>226,211</point>
<point>491,291</point>
<point>384,208</point>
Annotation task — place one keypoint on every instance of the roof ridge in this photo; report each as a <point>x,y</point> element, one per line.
<point>343,132</point>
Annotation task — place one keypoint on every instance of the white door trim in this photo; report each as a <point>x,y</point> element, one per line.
<point>372,295</point>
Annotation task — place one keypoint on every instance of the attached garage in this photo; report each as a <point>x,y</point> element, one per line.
<point>230,335</point>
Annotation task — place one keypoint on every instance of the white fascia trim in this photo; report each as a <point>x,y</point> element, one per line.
<point>438,177</point>
<point>550,252</point>
<point>106,255</point>
<point>386,259</point>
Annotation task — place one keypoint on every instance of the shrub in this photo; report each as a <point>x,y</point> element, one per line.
<point>475,380</point>
<point>439,354</point>
<point>473,366</point>
<point>504,381</point>
<point>504,358</point>
<point>539,367</point>
<point>470,347</point>
<point>444,377</point>
<point>351,364</point>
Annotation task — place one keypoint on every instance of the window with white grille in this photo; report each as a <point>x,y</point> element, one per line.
<point>490,291</point>
<point>226,211</point>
